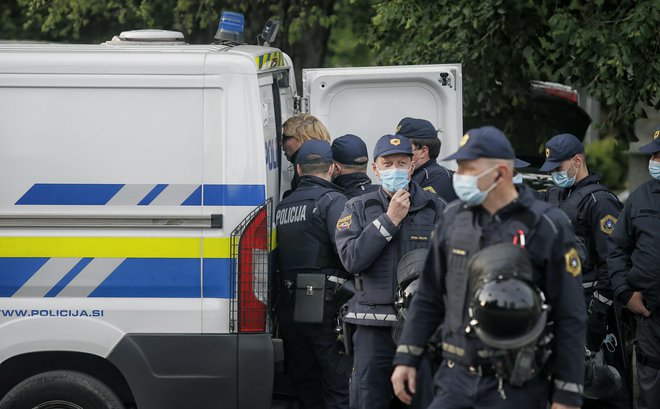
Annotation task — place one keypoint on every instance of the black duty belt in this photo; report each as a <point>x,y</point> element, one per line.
<point>646,360</point>
<point>478,370</point>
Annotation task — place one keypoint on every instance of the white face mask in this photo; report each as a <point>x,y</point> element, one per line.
<point>467,188</point>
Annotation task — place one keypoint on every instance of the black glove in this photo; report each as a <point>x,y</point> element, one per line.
<point>596,324</point>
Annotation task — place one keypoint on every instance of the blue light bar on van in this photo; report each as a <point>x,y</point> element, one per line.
<point>230,29</point>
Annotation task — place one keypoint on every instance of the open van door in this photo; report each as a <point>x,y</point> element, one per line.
<point>370,101</point>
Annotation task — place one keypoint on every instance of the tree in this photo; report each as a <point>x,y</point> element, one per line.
<point>608,47</point>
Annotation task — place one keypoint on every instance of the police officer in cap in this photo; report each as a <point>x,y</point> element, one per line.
<point>593,211</point>
<point>491,211</point>
<point>351,159</point>
<point>374,232</point>
<point>305,222</point>
<point>426,144</point>
<point>634,266</point>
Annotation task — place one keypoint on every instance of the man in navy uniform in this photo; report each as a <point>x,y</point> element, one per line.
<point>305,222</point>
<point>634,265</point>
<point>493,210</point>
<point>351,159</point>
<point>374,232</point>
<point>426,144</point>
<point>593,211</point>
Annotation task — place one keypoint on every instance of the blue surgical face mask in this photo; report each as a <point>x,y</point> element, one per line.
<point>562,179</point>
<point>654,169</point>
<point>467,188</point>
<point>393,179</point>
<point>518,180</point>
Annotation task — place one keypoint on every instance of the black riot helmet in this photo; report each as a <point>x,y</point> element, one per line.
<point>506,311</point>
<point>407,273</point>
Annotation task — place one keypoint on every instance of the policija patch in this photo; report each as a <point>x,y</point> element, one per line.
<point>607,224</point>
<point>573,264</point>
<point>345,222</point>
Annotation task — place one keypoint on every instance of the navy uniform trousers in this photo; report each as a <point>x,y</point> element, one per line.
<point>458,388</point>
<point>312,352</point>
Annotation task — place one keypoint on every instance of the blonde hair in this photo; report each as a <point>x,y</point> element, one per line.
<point>305,127</point>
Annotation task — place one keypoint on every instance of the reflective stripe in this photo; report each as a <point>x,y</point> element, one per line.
<point>410,349</point>
<point>382,230</point>
<point>602,298</point>
<point>335,279</point>
<point>589,284</point>
<point>46,277</point>
<point>568,386</point>
<point>369,316</point>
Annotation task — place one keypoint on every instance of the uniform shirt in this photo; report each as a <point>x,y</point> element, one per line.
<point>634,260</point>
<point>550,245</point>
<point>370,246</point>
<point>355,184</point>
<point>436,179</point>
<point>596,217</point>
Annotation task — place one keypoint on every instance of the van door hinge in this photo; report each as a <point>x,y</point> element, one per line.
<point>445,79</point>
<point>301,104</point>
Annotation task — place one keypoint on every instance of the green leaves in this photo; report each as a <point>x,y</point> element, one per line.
<point>610,48</point>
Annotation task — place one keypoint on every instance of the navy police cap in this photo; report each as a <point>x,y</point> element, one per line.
<point>391,144</point>
<point>347,148</point>
<point>415,128</point>
<point>484,142</point>
<point>560,148</point>
<point>314,151</point>
<point>654,146</point>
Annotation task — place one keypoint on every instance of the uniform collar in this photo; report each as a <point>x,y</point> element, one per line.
<point>308,181</point>
<point>655,186</point>
<point>425,166</point>
<point>352,179</point>
<point>525,199</point>
<point>589,180</point>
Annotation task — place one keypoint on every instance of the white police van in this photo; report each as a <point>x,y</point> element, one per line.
<point>137,180</point>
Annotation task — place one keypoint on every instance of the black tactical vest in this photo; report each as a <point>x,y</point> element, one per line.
<point>465,237</point>
<point>302,235</point>
<point>379,281</point>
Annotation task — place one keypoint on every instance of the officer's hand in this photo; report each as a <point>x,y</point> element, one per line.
<point>636,305</point>
<point>403,382</point>
<point>556,405</point>
<point>399,205</point>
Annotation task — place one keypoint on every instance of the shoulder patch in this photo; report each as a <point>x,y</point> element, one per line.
<point>430,189</point>
<point>573,263</point>
<point>345,222</point>
<point>607,224</point>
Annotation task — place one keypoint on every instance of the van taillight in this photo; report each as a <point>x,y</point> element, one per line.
<point>250,245</point>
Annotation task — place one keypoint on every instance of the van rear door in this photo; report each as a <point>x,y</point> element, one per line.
<point>370,101</point>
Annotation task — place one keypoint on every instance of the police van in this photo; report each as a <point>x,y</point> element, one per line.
<point>137,183</point>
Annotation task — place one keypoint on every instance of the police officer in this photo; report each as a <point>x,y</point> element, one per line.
<point>305,222</point>
<point>295,131</point>
<point>493,210</point>
<point>426,144</point>
<point>375,230</point>
<point>351,159</point>
<point>634,266</point>
<point>593,211</point>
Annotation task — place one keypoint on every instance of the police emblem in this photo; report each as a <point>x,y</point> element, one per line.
<point>430,189</point>
<point>547,152</point>
<point>465,140</point>
<point>345,222</point>
<point>656,135</point>
<point>398,128</point>
<point>573,263</point>
<point>607,224</point>
<point>395,141</point>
